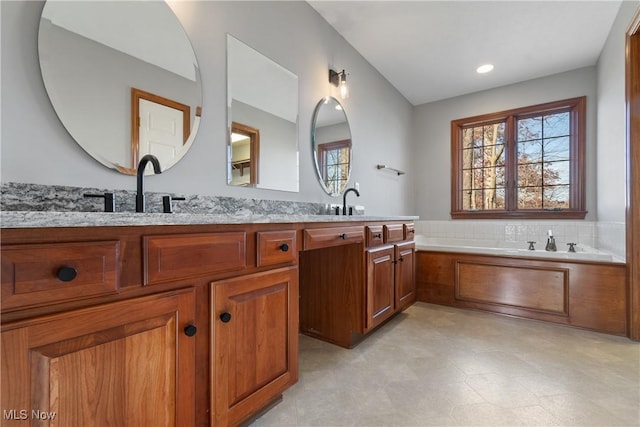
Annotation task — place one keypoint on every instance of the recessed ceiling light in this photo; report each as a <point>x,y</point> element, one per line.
<point>484,68</point>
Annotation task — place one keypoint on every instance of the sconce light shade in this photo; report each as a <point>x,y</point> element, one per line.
<point>339,79</point>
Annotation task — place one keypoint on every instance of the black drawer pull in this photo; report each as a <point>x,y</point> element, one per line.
<point>378,235</point>
<point>284,247</point>
<point>225,317</point>
<point>190,330</point>
<point>343,236</point>
<point>66,274</point>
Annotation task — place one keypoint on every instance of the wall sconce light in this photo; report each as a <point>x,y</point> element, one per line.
<point>340,80</point>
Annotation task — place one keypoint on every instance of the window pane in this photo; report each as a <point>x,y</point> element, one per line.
<point>500,198</point>
<point>469,199</point>
<point>529,129</point>
<point>556,197</point>
<point>530,175</point>
<point>493,177</point>
<point>530,198</point>
<point>467,138</point>
<point>478,176</point>
<point>556,125</point>
<point>556,173</point>
<point>530,152</point>
<point>557,149</point>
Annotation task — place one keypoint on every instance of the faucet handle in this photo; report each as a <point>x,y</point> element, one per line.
<point>531,247</point>
<point>167,203</point>
<point>572,247</point>
<point>109,200</point>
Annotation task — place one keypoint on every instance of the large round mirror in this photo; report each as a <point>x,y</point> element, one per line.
<point>331,142</point>
<point>123,79</point>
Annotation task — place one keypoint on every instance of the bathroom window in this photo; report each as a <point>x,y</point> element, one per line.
<point>525,163</point>
<point>334,159</point>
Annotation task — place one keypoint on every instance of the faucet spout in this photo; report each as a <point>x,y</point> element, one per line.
<point>344,199</point>
<point>142,165</point>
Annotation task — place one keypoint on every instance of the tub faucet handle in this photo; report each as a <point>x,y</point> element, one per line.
<point>531,247</point>
<point>572,247</point>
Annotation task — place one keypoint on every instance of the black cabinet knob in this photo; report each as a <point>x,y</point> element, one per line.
<point>66,274</point>
<point>284,247</point>
<point>190,330</point>
<point>225,317</point>
<point>343,236</point>
<point>378,235</point>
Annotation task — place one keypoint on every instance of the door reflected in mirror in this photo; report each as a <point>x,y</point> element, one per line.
<point>331,143</point>
<point>245,154</point>
<point>97,58</point>
<point>263,102</point>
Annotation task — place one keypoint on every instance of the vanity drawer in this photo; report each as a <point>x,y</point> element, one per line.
<point>175,257</point>
<point>374,235</point>
<point>409,231</point>
<point>393,233</point>
<point>316,238</point>
<point>39,274</point>
<point>276,247</point>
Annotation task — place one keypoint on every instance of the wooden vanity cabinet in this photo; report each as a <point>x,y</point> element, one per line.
<point>349,289</point>
<point>254,342</point>
<point>391,285</point>
<point>125,363</point>
<point>405,274</point>
<point>380,285</point>
<point>130,340</point>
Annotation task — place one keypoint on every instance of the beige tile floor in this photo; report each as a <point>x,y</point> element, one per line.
<point>440,366</point>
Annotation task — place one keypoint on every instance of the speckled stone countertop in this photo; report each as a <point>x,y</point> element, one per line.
<point>31,219</point>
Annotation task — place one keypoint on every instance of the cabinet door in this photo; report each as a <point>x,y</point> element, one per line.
<point>405,275</point>
<point>124,363</point>
<point>380,287</point>
<point>255,342</point>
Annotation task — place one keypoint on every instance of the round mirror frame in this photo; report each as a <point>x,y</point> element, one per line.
<point>340,144</point>
<point>73,90</point>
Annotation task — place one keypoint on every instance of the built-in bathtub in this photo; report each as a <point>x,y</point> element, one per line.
<point>511,249</point>
<point>584,289</point>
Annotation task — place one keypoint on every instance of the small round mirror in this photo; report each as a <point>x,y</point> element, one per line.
<point>123,79</point>
<point>331,144</point>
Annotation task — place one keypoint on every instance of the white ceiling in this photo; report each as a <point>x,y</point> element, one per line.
<point>429,50</point>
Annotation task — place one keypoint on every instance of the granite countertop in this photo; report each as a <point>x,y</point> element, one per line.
<point>35,219</point>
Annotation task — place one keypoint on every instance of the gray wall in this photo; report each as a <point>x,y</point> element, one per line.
<point>37,149</point>
<point>432,132</point>
<point>611,145</point>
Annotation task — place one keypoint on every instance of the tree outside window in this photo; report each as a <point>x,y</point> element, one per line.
<point>526,163</point>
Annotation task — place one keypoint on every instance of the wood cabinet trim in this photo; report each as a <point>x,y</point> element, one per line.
<point>596,292</point>
<point>29,272</point>
<point>270,249</point>
<point>317,238</point>
<point>165,257</point>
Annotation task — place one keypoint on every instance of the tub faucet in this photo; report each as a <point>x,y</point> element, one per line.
<point>142,165</point>
<point>551,243</point>
<point>344,199</point>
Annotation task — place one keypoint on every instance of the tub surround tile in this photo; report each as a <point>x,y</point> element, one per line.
<point>606,236</point>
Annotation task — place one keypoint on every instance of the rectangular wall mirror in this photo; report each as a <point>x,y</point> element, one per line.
<point>262,105</point>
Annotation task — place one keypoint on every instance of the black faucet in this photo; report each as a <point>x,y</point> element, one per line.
<point>344,199</point>
<point>142,165</point>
